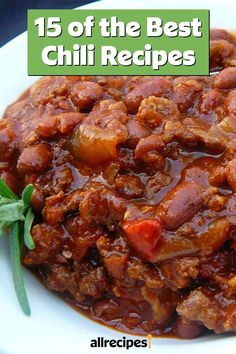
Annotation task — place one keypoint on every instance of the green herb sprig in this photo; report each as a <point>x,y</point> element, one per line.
<point>16,218</point>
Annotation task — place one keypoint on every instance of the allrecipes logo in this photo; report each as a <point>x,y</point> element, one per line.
<point>101,342</point>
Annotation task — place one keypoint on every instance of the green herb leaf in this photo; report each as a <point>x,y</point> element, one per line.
<point>15,255</point>
<point>29,242</point>
<point>6,192</point>
<point>27,194</point>
<point>12,212</point>
<point>4,201</point>
<point>16,218</point>
<point>2,226</point>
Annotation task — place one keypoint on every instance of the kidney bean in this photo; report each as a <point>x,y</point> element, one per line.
<point>230,102</point>
<point>136,132</point>
<point>180,204</point>
<point>186,329</point>
<point>226,79</point>
<point>231,174</point>
<point>6,144</point>
<point>185,93</point>
<point>217,33</point>
<point>37,200</point>
<point>85,94</point>
<point>36,158</point>
<point>211,100</point>
<point>11,180</point>
<point>151,143</point>
<point>195,174</point>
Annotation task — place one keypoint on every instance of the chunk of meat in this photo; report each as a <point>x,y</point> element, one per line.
<point>61,279</point>
<point>82,236</point>
<point>129,186</point>
<point>62,123</point>
<point>85,94</point>
<point>155,183</point>
<point>145,272</point>
<point>180,204</point>
<point>185,93</point>
<point>72,201</point>
<point>53,211</point>
<point>114,253</point>
<point>153,110</point>
<point>48,241</point>
<point>144,87</point>
<point>106,118</point>
<point>228,126</point>
<point>108,105</point>
<point>211,100</point>
<point>193,133</point>
<point>36,158</point>
<point>95,283</point>
<point>99,205</point>
<point>163,303</point>
<point>211,309</point>
<point>47,88</point>
<point>94,145</point>
<point>179,272</point>
<point>220,269</point>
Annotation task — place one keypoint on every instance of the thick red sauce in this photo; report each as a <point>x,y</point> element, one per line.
<point>135,181</point>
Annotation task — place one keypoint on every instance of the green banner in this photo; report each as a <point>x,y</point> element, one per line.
<point>118,42</point>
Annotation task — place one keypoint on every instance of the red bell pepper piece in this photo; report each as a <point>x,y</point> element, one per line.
<point>143,235</point>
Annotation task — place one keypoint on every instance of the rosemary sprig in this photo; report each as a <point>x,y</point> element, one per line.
<point>15,215</point>
<point>15,255</point>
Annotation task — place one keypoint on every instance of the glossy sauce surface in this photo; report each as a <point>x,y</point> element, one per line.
<point>135,181</point>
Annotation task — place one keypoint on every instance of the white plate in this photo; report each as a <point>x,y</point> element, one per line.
<point>55,328</point>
